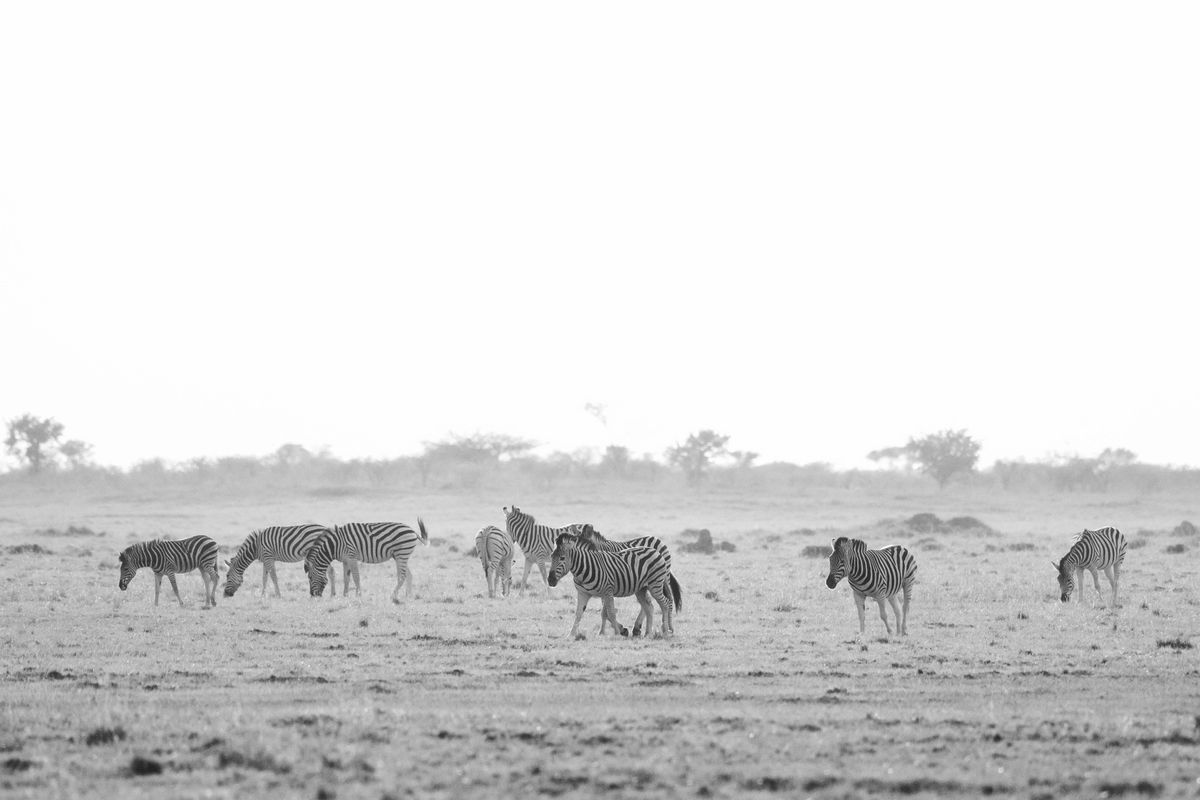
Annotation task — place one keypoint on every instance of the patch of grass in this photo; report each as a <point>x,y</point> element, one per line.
<point>1176,548</point>
<point>815,551</point>
<point>140,765</point>
<point>34,549</point>
<point>784,608</point>
<point>1137,544</point>
<point>1020,547</point>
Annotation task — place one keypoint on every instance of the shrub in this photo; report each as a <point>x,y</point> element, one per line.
<point>815,551</point>
<point>1176,548</point>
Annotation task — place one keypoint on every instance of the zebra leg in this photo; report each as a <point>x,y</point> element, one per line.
<point>665,605</point>
<point>860,601</point>
<point>895,604</point>
<point>490,574</point>
<point>401,574</point>
<point>610,608</point>
<point>647,613</point>
<point>545,576</point>
<point>581,601</point>
<point>409,581</point>
<point>157,585</point>
<point>175,587</point>
<point>907,597</point>
<point>331,579</point>
<point>883,615</point>
<point>1079,582</point>
<point>266,571</point>
<point>275,580</point>
<point>1112,581</point>
<point>1096,580</point>
<point>1116,577</point>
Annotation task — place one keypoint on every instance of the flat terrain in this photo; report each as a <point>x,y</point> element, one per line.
<point>766,687</point>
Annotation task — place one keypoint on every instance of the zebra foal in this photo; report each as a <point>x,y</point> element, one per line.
<point>167,557</point>
<point>495,551</point>
<point>1092,550</point>
<point>370,542</point>
<point>537,541</point>
<point>878,574</point>
<point>640,571</point>
<point>270,545</point>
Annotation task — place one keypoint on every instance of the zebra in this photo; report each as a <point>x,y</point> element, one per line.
<point>495,551</point>
<point>640,571</point>
<point>371,542</point>
<point>169,556</point>
<point>1092,550</point>
<point>592,536</point>
<point>270,545</point>
<point>536,541</point>
<point>878,574</point>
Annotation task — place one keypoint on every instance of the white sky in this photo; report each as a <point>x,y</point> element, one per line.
<point>818,227</point>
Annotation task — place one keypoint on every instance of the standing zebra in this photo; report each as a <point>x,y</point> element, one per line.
<point>167,557</point>
<point>1091,550</point>
<point>591,536</point>
<point>536,541</point>
<point>640,571</point>
<point>495,551</point>
<point>878,574</point>
<point>371,542</point>
<point>270,545</point>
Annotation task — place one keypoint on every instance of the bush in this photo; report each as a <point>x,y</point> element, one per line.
<point>1176,548</point>
<point>1184,528</point>
<point>815,551</point>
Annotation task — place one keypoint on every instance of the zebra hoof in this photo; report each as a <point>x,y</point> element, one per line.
<point>579,637</point>
<point>624,631</point>
<point>637,630</point>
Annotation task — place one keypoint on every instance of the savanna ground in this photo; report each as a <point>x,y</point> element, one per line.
<point>766,687</point>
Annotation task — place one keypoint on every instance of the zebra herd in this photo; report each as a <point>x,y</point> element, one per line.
<point>640,567</point>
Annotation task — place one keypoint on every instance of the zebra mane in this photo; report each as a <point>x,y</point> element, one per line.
<point>855,546</point>
<point>1079,536</point>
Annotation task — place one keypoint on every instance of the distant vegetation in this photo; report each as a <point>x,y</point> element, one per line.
<point>498,461</point>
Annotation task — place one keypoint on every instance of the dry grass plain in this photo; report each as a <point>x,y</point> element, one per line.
<point>998,690</point>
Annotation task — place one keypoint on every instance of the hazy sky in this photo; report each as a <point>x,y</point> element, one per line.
<point>820,228</point>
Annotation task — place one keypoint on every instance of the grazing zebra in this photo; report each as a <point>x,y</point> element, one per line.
<point>371,542</point>
<point>591,536</point>
<point>167,557</point>
<point>270,545</point>
<point>495,551</point>
<point>1091,550</point>
<point>536,541</point>
<point>640,571</point>
<point>878,574</point>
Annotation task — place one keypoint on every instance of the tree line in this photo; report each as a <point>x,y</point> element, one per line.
<point>704,457</point>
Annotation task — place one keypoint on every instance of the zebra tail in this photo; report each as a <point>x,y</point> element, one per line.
<point>676,593</point>
<point>424,533</point>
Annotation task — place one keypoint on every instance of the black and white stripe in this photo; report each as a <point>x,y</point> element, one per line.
<point>372,542</point>
<point>287,543</point>
<point>1092,550</point>
<point>878,574</point>
<point>536,541</point>
<point>592,536</point>
<point>640,571</point>
<point>168,557</point>
<point>495,551</point>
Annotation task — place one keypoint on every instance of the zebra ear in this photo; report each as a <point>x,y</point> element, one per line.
<point>1056,566</point>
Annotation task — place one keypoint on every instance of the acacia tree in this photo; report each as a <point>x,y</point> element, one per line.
<point>28,437</point>
<point>696,454</point>
<point>944,454</point>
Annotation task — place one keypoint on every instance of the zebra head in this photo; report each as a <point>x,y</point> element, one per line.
<point>837,563</point>
<point>233,579</point>
<point>563,558</point>
<point>1066,580</point>
<point>127,569</point>
<point>316,564</point>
